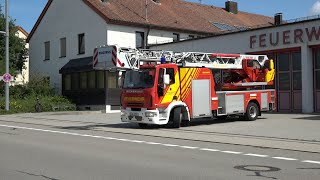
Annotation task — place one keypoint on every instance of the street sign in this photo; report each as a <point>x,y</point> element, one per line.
<point>6,78</point>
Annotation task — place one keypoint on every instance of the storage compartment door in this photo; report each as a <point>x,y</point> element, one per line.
<point>201,98</point>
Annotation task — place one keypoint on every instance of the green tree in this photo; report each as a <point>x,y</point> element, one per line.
<point>18,50</point>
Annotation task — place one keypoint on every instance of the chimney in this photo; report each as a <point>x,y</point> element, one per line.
<point>278,19</point>
<point>232,7</point>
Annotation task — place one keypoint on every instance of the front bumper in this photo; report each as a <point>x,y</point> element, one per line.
<point>143,116</point>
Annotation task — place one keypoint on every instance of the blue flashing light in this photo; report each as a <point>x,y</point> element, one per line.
<point>163,60</point>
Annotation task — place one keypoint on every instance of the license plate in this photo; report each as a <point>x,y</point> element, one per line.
<point>134,114</point>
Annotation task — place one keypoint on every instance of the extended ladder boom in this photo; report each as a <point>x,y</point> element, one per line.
<point>114,57</point>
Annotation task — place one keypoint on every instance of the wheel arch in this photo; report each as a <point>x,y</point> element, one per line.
<point>184,109</point>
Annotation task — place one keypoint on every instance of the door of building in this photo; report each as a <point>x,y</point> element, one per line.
<point>316,81</point>
<point>289,84</point>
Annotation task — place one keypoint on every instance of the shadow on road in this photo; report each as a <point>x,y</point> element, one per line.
<point>309,118</point>
<point>198,122</point>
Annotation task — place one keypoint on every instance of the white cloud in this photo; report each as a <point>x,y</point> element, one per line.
<point>315,9</point>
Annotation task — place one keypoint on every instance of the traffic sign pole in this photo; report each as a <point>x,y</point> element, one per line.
<point>7,54</point>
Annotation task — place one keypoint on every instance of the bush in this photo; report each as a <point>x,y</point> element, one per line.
<point>23,98</point>
<point>27,105</point>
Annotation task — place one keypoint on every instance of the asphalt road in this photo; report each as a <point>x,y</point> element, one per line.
<point>41,152</point>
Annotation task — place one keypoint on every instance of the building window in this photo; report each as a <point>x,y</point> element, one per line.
<point>47,50</point>
<point>67,82</point>
<point>83,80</point>
<point>91,79</point>
<point>63,47</point>
<point>176,37</point>
<point>81,44</point>
<point>317,70</point>
<point>75,81</point>
<point>140,40</point>
<point>100,79</point>
<point>112,80</point>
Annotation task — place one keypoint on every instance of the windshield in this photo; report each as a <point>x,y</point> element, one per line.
<point>144,78</point>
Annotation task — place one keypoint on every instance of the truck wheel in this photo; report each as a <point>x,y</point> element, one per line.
<point>177,118</point>
<point>222,118</point>
<point>143,126</point>
<point>252,112</point>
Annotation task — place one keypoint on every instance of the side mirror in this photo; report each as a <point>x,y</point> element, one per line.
<point>166,79</point>
<point>120,79</point>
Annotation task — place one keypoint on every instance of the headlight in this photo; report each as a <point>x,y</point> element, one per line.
<point>150,114</point>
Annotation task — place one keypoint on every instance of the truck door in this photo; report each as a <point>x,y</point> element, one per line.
<point>172,91</point>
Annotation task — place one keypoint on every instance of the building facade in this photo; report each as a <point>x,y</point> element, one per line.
<point>66,33</point>
<point>23,76</point>
<point>294,46</point>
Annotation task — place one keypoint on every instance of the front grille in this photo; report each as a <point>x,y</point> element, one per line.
<point>135,104</point>
<point>135,109</point>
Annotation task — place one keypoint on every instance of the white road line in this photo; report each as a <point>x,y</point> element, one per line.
<point>137,141</point>
<point>212,150</point>
<point>169,145</point>
<point>285,158</point>
<point>154,143</point>
<point>232,152</point>
<point>256,155</point>
<point>313,162</point>
<point>189,147</point>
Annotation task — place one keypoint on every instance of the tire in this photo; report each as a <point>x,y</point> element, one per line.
<point>143,126</point>
<point>185,123</point>
<point>252,112</point>
<point>176,118</point>
<point>222,118</point>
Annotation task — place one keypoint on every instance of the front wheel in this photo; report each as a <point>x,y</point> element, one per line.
<point>252,112</point>
<point>143,126</point>
<point>176,117</point>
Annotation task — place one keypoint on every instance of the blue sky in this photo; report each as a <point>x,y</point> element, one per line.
<point>26,12</point>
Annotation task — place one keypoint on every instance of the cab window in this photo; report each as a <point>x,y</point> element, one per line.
<point>170,71</point>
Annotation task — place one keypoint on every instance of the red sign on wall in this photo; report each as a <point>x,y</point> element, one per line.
<point>285,37</point>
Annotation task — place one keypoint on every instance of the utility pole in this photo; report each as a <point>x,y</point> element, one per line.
<point>7,54</point>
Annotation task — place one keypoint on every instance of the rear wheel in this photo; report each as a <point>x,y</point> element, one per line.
<point>252,112</point>
<point>222,118</point>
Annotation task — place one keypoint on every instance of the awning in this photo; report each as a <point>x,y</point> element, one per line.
<point>77,65</point>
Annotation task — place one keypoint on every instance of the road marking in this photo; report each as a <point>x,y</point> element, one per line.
<point>212,150</point>
<point>169,145</point>
<point>232,152</point>
<point>285,158</point>
<point>189,147</point>
<point>137,141</point>
<point>154,143</point>
<point>313,162</point>
<point>256,155</point>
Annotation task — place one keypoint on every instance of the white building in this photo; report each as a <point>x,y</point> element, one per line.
<point>295,46</point>
<point>23,76</point>
<point>67,31</point>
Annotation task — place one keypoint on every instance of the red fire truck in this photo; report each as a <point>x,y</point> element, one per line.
<point>161,87</point>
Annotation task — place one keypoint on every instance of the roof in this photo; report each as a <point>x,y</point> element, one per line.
<point>176,15</point>
<point>77,65</point>
<point>23,31</point>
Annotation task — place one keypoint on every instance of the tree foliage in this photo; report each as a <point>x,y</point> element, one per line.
<point>17,47</point>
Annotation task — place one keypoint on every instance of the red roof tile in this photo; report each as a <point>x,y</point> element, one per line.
<point>177,15</point>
